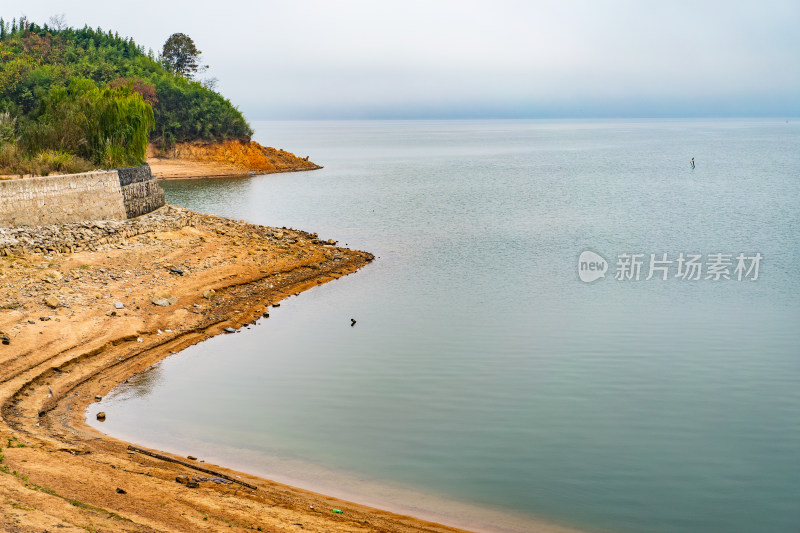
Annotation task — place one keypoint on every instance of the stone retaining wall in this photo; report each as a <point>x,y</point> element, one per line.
<point>141,192</point>
<point>102,195</point>
<point>59,199</point>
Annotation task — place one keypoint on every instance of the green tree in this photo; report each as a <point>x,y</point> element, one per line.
<point>180,55</point>
<point>33,63</point>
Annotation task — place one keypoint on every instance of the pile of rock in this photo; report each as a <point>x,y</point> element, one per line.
<point>92,235</point>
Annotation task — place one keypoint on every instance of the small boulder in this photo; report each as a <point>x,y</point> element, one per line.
<point>119,305</point>
<point>161,294</point>
<point>183,479</point>
<point>101,416</point>
<point>52,275</point>
<point>165,302</point>
<point>52,301</point>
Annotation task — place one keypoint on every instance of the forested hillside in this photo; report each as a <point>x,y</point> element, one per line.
<point>71,99</point>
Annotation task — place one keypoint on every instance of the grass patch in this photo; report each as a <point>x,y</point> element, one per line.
<point>15,162</point>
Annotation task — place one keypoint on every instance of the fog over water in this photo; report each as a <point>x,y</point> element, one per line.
<point>448,59</point>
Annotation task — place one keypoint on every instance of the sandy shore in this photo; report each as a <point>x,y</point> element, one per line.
<point>57,473</point>
<point>182,169</point>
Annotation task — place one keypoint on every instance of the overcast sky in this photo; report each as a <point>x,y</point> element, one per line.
<point>298,59</point>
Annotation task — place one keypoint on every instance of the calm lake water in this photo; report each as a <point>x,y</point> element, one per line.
<point>484,383</point>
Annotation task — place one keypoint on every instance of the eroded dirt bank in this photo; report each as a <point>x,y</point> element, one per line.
<point>224,159</point>
<point>77,324</point>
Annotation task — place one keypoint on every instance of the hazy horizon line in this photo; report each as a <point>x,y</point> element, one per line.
<point>549,117</point>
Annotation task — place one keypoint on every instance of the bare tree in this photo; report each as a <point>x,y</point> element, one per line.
<point>58,22</point>
<point>211,83</point>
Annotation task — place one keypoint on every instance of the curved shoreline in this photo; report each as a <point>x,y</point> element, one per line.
<point>61,472</point>
<point>58,471</point>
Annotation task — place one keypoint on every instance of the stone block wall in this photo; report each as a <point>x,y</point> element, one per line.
<point>141,192</point>
<point>102,195</point>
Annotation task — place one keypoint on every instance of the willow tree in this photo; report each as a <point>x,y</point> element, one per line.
<point>118,124</point>
<point>109,126</point>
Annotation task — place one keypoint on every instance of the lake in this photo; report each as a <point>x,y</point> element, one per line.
<point>486,384</point>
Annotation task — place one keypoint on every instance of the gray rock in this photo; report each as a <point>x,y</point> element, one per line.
<point>230,330</point>
<point>165,302</point>
<point>119,305</point>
